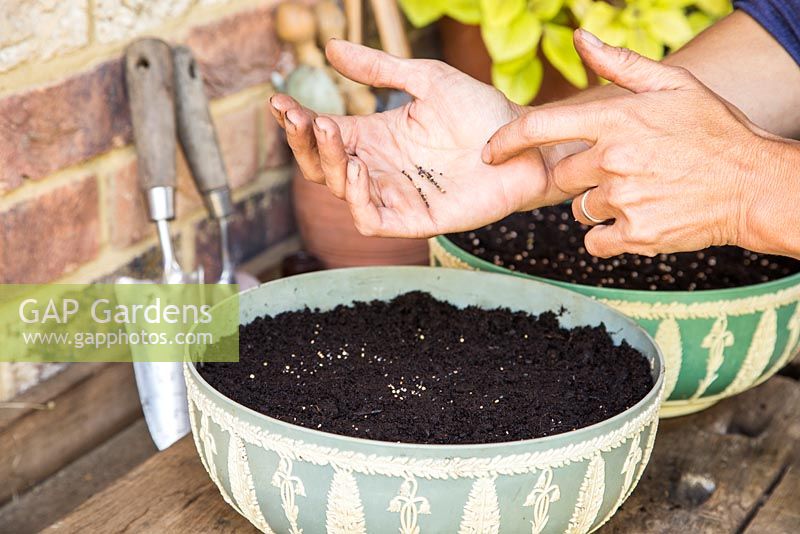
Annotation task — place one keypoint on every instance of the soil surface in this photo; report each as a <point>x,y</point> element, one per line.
<point>548,242</point>
<point>418,370</point>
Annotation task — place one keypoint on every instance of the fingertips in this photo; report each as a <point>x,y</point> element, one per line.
<point>279,104</point>
<point>498,149</point>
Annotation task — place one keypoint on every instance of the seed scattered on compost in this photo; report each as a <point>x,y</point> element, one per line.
<point>437,391</point>
<point>556,251</point>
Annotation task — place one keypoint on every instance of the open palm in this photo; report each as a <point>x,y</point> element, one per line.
<point>415,171</point>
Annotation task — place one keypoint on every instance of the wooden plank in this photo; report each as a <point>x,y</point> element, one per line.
<point>710,471</point>
<point>170,492</point>
<point>781,512</point>
<point>88,402</point>
<point>70,487</point>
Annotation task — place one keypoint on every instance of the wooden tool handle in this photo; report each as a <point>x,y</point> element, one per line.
<point>353,10</point>
<point>149,81</point>
<point>195,128</point>
<point>390,28</point>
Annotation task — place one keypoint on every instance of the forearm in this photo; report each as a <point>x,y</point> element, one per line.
<point>769,219</point>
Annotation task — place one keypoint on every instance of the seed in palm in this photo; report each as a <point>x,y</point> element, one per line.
<point>428,175</point>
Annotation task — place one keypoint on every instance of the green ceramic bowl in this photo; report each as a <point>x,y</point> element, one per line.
<point>715,343</point>
<point>285,478</point>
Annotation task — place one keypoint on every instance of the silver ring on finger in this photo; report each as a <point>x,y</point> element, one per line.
<point>585,212</point>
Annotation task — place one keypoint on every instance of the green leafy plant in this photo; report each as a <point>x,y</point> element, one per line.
<point>515,31</point>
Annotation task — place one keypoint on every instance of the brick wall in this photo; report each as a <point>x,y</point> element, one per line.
<point>70,208</point>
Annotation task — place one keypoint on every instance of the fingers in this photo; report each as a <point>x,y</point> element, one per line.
<point>379,69</point>
<point>280,104</point>
<point>365,213</point>
<point>332,155</point>
<point>576,173</point>
<point>593,204</point>
<point>628,69</point>
<point>544,126</point>
<point>301,139</point>
<point>605,241</point>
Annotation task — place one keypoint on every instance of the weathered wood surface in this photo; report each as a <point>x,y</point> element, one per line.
<point>725,470</point>
<point>780,514</point>
<point>74,484</point>
<point>61,419</point>
<point>170,492</point>
<point>711,471</point>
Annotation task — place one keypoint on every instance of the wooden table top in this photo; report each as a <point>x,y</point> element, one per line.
<point>732,468</point>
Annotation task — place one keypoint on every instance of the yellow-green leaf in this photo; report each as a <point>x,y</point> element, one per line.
<point>670,4</point>
<point>545,10</point>
<point>641,42</point>
<point>715,8</point>
<point>669,26</point>
<point>511,41</point>
<point>520,86</point>
<point>579,8</point>
<point>421,12</point>
<point>464,11</point>
<point>559,50</point>
<point>699,21</point>
<point>500,12</point>
<point>603,20</point>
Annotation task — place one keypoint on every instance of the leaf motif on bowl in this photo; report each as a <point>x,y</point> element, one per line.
<point>791,347</point>
<point>482,510</point>
<point>242,487</point>
<point>345,513</point>
<point>716,341</point>
<point>759,353</point>
<point>590,497</point>
<point>668,338</point>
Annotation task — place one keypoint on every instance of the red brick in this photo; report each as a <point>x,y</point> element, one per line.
<point>275,151</point>
<point>236,52</point>
<point>50,235</point>
<point>49,128</point>
<point>127,214</point>
<point>238,140</point>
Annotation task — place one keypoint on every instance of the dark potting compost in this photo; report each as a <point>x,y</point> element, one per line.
<point>418,370</point>
<point>548,242</point>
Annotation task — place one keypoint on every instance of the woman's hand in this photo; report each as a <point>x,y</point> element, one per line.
<point>373,161</point>
<point>672,167</point>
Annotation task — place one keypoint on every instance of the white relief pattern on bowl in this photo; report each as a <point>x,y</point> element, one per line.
<point>590,497</point>
<point>344,512</point>
<point>668,338</point>
<point>758,355</point>
<point>717,340</point>
<point>482,510</point>
<point>242,487</point>
<point>409,505</point>
<point>543,494</point>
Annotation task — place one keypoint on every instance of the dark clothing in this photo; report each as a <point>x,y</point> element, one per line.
<point>781,18</point>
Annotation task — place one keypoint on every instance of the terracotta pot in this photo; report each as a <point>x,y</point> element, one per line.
<point>328,232</point>
<point>463,48</point>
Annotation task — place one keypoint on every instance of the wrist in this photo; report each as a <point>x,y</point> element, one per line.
<point>770,192</point>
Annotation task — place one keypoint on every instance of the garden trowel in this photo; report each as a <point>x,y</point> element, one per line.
<point>150,84</point>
